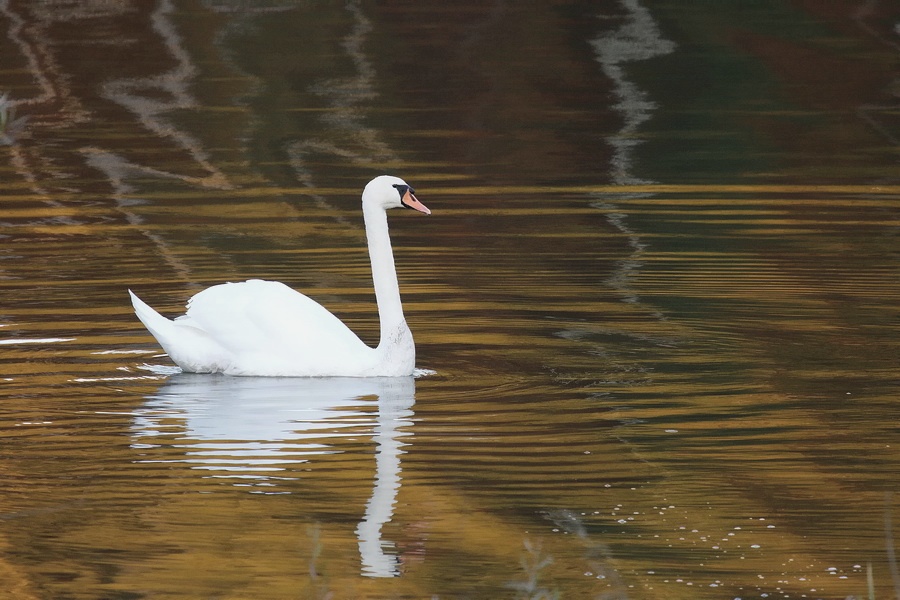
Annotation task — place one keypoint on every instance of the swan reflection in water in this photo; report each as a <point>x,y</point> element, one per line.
<point>250,428</point>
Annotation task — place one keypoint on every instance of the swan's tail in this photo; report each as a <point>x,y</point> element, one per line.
<point>158,325</point>
<point>191,349</point>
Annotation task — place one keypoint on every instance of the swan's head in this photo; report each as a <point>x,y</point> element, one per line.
<point>392,192</point>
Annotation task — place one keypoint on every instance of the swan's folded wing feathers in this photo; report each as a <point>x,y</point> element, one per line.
<point>262,316</point>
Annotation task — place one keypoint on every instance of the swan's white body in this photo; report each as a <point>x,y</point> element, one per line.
<point>265,328</point>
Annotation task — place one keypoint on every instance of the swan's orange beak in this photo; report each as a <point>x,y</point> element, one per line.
<point>410,201</point>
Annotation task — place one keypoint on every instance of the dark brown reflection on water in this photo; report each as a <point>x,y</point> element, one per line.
<point>643,387</point>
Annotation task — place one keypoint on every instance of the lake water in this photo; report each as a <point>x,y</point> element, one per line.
<point>656,307</point>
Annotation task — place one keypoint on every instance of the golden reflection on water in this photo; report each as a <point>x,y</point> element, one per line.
<point>639,390</point>
<point>716,419</point>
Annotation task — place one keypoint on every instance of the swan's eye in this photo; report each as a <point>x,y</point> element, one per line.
<point>402,189</point>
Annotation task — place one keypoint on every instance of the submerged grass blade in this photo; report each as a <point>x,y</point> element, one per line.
<point>4,111</point>
<point>870,581</point>
<point>889,543</point>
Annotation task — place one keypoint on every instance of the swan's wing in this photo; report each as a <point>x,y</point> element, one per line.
<point>267,317</point>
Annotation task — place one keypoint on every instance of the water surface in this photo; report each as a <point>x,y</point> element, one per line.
<point>656,315</point>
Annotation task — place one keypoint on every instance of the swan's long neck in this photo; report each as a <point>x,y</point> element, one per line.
<point>384,274</point>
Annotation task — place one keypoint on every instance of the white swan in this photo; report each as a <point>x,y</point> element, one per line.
<point>264,328</point>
